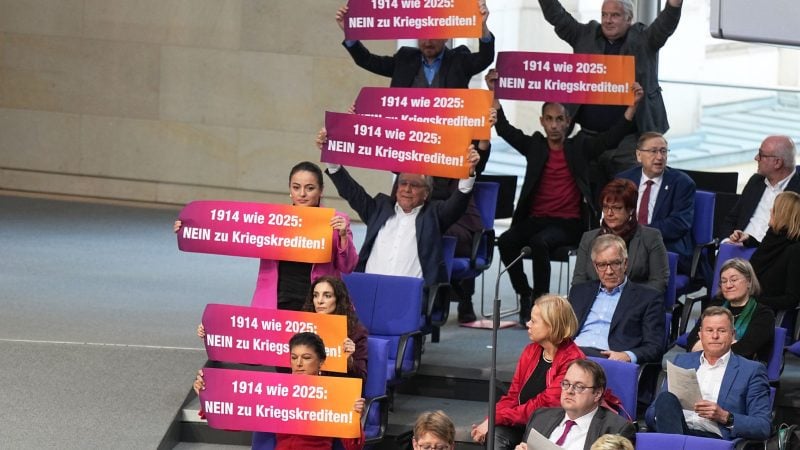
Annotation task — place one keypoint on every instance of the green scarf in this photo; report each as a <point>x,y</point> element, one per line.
<point>743,320</point>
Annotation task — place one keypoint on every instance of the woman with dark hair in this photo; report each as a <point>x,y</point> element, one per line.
<point>754,322</point>
<point>328,295</point>
<point>777,258</point>
<point>285,283</point>
<point>647,255</point>
<point>308,356</point>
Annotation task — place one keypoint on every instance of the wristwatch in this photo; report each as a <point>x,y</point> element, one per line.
<point>729,422</point>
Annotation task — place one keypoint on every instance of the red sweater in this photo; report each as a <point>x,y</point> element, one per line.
<point>509,411</point>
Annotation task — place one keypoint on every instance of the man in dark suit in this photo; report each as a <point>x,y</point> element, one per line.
<point>582,391</point>
<point>735,391</point>
<point>776,173</point>
<point>432,64</point>
<point>617,318</point>
<point>404,231</point>
<point>666,197</point>
<point>617,34</point>
<point>554,207</point>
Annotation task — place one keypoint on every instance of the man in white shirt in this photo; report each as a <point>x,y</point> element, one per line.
<point>404,232</point>
<point>776,173</point>
<point>581,419</point>
<point>735,391</point>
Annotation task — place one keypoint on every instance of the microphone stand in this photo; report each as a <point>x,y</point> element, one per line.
<point>495,326</point>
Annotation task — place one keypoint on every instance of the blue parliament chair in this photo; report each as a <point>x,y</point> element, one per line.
<point>376,410</point>
<point>266,441</point>
<point>437,305</point>
<point>390,307</point>
<point>621,379</point>
<point>703,238</point>
<point>661,441</point>
<point>485,195</point>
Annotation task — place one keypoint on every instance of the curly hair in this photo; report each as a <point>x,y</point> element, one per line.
<point>344,306</point>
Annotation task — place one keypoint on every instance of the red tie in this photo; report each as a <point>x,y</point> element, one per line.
<point>644,209</point>
<point>567,426</point>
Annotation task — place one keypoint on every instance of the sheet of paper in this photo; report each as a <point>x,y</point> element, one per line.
<point>683,383</point>
<point>538,442</point>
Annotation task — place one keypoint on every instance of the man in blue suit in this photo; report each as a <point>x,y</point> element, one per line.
<point>617,318</point>
<point>735,391</point>
<point>668,197</point>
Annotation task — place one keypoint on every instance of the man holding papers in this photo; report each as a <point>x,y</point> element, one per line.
<point>581,418</point>
<point>734,391</point>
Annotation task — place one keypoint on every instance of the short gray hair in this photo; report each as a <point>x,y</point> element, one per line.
<point>604,241</point>
<point>787,151</point>
<point>627,5</point>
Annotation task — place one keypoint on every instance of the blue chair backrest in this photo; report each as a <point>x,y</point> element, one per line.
<point>726,252</point>
<point>775,362</point>
<point>449,252</point>
<point>660,441</point>
<point>703,224</point>
<point>671,295</point>
<point>375,388</point>
<point>622,379</point>
<point>389,307</point>
<point>485,195</point>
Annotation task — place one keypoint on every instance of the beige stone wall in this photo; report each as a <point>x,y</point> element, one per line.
<point>168,101</point>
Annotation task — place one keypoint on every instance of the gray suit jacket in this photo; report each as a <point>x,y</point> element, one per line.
<point>545,420</point>
<point>647,259</point>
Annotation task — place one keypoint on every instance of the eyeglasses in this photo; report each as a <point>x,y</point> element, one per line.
<point>762,155</point>
<point>432,446</point>
<point>578,388</point>
<point>615,265</point>
<point>732,280</point>
<point>613,208</point>
<point>663,151</point>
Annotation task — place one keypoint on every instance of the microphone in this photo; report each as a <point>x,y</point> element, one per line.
<point>526,251</point>
<point>495,325</point>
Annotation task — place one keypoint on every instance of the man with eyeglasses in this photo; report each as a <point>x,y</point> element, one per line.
<point>666,197</point>
<point>617,34</point>
<point>776,173</point>
<point>581,420</point>
<point>555,204</point>
<point>404,231</point>
<point>617,318</point>
<point>735,391</point>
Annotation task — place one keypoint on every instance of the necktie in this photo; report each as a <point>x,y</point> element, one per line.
<point>567,426</point>
<point>644,205</point>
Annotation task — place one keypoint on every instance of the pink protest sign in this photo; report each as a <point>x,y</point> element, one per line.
<point>421,19</point>
<point>242,334</point>
<point>465,108</point>
<point>278,402</point>
<point>565,78</point>
<point>256,230</point>
<point>396,145</point>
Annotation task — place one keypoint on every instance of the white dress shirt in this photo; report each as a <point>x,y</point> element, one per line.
<point>757,227</point>
<point>651,205</point>
<point>395,249</point>
<point>709,377</point>
<point>576,438</point>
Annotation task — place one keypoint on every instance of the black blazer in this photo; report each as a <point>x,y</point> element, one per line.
<point>459,64</point>
<point>739,216</point>
<point>545,420</point>
<point>578,151</point>
<point>638,321</point>
<point>434,218</point>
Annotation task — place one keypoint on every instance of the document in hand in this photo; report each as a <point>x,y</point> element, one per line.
<point>539,442</point>
<point>683,383</point>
